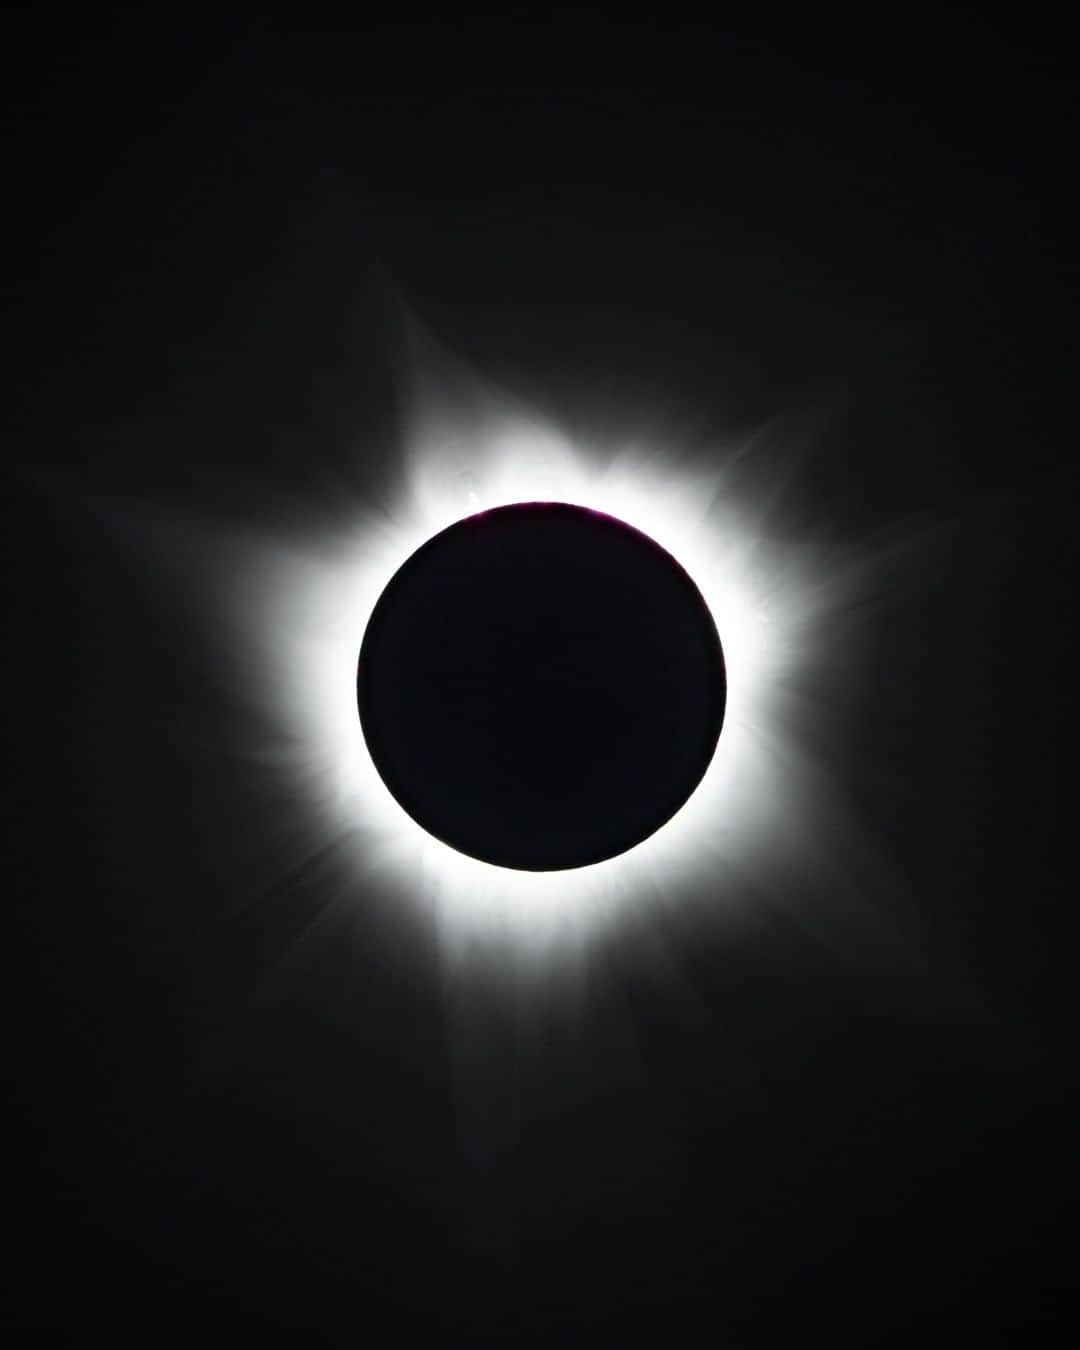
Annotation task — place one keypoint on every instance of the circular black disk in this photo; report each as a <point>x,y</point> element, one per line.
<point>541,686</point>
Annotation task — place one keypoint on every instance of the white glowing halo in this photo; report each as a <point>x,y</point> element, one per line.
<point>313,611</point>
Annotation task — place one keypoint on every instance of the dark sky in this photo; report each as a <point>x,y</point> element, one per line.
<point>226,1131</point>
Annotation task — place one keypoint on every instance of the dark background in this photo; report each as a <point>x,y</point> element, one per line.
<point>211,230</point>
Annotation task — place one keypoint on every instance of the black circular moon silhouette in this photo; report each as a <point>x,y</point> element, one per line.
<point>541,686</point>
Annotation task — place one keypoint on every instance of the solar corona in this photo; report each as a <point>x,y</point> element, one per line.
<point>539,685</point>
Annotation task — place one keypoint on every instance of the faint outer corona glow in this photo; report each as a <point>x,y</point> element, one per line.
<point>305,604</point>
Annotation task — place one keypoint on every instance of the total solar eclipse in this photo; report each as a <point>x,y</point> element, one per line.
<point>541,686</point>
